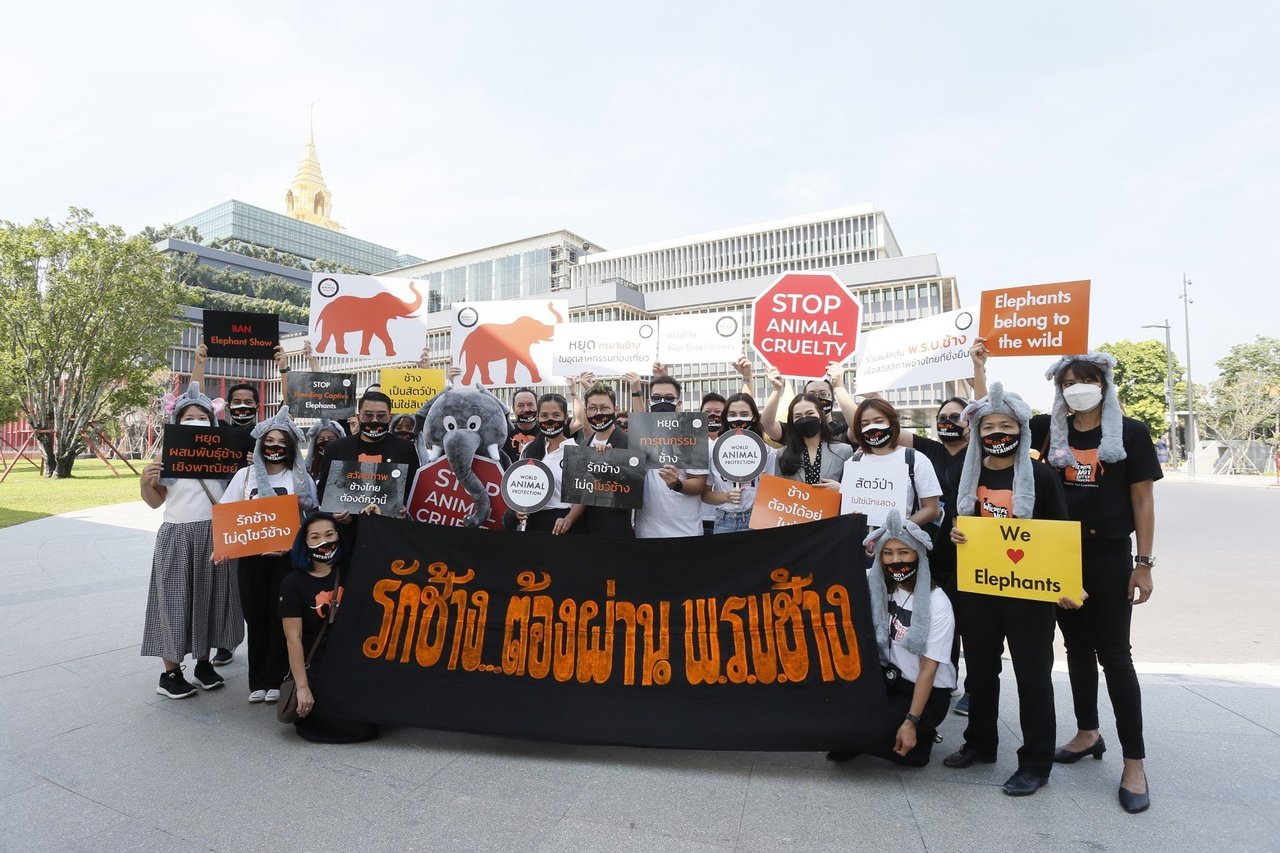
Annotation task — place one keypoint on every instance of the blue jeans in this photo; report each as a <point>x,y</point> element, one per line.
<point>732,521</point>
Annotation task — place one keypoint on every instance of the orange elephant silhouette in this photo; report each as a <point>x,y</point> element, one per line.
<point>509,342</point>
<point>367,315</point>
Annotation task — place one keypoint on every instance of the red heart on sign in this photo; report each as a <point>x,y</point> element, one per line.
<point>1015,554</point>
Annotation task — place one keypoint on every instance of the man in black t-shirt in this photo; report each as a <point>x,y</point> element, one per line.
<point>373,443</point>
<point>524,428</point>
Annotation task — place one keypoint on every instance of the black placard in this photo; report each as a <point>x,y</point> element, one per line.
<point>613,479</point>
<point>670,438</point>
<point>352,486</point>
<point>241,334</point>
<point>204,453</point>
<point>314,395</point>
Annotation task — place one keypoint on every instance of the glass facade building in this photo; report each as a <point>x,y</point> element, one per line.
<point>235,220</point>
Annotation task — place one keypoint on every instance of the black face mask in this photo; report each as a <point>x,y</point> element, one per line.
<point>321,445</point>
<point>373,430</point>
<point>828,406</point>
<point>662,407</point>
<point>808,426</point>
<point>1000,443</point>
<point>740,423</point>
<point>600,423</point>
<point>525,423</point>
<point>901,572</point>
<point>551,428</point>
<point>274,454</point>
<point>875,435</point>
<point>950,432</point>
<point>325,552</point>
<point>714,423</point>
<point>243,415</point>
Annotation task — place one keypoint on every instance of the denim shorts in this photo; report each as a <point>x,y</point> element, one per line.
<point>732,521</point>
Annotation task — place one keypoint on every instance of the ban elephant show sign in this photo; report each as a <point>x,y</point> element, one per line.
<point>504,344</point>
<point>367,316</point>
<point>538,637</point>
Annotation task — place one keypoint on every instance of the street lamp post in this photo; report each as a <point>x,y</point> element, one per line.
<point>1168,389</point>
<point>1191,409</point>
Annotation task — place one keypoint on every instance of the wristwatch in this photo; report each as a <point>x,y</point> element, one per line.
<point>284,370</point>
<point>1145,560</point>
<point>636,394</point>
<point>912,718</point>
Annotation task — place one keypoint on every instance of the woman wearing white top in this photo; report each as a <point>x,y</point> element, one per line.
<point>191,605</point>
<point>733,501</point>
<point>874,430</point>
<point>548,446</point>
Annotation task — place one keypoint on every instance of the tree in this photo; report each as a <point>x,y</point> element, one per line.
<point>1140,375</point>
<point>1260,357</point>
<point>86,317</point>
<point>189,233</point>
<point>1240,411</point>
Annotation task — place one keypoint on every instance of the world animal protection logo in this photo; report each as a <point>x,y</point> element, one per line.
<point>367,316</point>
<point>507,343</point>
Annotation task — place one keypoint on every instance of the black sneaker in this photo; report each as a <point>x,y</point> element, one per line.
<point>174,686</point>
<point>221,658</point>
<point>962,707</point>
<point>205,676</point>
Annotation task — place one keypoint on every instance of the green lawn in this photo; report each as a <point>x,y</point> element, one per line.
<point>25,495</point>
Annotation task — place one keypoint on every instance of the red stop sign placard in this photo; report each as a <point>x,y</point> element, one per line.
<point>803,322</point>
<point>438,498</point>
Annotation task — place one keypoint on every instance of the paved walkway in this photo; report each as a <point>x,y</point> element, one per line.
<point>92,759</point>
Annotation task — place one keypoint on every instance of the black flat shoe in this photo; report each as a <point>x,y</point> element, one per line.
<point>966,756</point>
<point>1024,784</point>
<point>1066,756</point>
<point>842,756</point>
<point>1134,803</point>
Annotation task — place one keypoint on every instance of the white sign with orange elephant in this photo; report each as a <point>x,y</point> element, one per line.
<point>507,343</point>
<point>367,316</point>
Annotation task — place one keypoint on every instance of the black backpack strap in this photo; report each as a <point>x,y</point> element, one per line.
<point>911,475</point>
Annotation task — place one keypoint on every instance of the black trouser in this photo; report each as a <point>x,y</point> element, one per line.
<point>935,711</point>
<point>542,521</point>
<point>987,621</point>
<point>1098,633</point>
<point>268,656</point>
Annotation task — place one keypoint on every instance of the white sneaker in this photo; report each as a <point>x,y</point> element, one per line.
<point>258,695</point>
<point>273,696</point>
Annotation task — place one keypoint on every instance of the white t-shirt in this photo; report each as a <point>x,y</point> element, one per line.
<point>242,488</point>
<point>720,484</point>
<point>667,513</point>
<point>709,510</point>
<point>926,479</point>
<point>942,629</point>
<point>555,461</point>
<point>185,501</point>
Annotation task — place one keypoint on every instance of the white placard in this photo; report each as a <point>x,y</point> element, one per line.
<point>873,486</point>
<point>934,349</point>
<point>612,348</point>
<point>367,316</point>
<point>507,343</point>
<point>697,338</point>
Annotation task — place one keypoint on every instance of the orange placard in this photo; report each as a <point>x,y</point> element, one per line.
<point>245,528</point>
<point>1037,319</point>
<point>781,502</point>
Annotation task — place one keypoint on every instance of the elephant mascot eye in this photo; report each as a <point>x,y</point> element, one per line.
<point>473,423</point>
<point>450,423</point>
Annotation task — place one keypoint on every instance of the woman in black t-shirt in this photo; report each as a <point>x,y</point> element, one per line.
<point>1108,466</point>
<point>309,598</point>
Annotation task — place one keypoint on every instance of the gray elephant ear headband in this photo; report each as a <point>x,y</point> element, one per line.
<point>903,529</point>
<point>908,533</point>
<point>1111,448</point>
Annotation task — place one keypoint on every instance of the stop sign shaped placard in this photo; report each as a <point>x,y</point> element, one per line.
<point>803,322</point>
<point>438,498</point>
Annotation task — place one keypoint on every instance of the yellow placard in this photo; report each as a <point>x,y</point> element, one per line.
<point>1019,558</point>
<point>411,387</point>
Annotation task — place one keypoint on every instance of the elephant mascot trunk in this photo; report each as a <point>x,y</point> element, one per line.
<point>461,422</point>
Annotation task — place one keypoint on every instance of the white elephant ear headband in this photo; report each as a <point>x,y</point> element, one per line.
<point>1111,449</point>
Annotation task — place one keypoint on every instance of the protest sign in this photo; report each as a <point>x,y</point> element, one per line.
<point>528,486</point>
<point>321,395</point>
<point>613,479</point>
<point>1019,558</point>
<point>670,438</point>
<point>204,453</point>
<point>259,526</point>
<point>699,338</point>
<point>922,352</point>
<point>367,316</point>
<point>352,486</point>
<point>437,497</point>
<point>1040,319</point>
<point>874,485</point>
<point>803,322</point>
<point>768,646</point>
<point>241,334</point>
<point>739,456</point>
<point>781,502</point>
<point>612,348</point>
<point>507,343</point>
<point>411,388</point>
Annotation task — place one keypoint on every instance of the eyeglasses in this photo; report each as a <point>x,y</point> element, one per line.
<point>952,418</point>
<point>374,417</point>
<point>663,398</point>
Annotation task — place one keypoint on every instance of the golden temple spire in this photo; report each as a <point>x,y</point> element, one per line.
<point>308,198</point>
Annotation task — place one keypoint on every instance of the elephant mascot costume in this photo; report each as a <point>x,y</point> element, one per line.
<point>461,422</point>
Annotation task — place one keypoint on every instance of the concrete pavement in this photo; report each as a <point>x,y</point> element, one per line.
<point>92,758</point>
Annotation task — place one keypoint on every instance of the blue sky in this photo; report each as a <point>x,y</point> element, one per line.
<point>1123,142</point>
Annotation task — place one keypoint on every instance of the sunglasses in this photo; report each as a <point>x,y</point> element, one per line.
<point>663,398</point>
<point>952,418</point>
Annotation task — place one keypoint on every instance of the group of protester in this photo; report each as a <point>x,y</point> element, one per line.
<point>1084,462</point>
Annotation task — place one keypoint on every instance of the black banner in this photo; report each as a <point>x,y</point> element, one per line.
<point>352,486</point>
<point>204,453</point>
<point>312,395</point>
<point>670,438</point>
<point>612,479</point>
<point>757,640</point>
<point>241,334</point>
